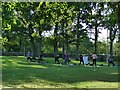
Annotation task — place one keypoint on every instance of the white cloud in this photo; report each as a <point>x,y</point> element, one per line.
<point>103,35</point>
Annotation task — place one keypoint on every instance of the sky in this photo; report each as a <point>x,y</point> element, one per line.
<point>103,35</point>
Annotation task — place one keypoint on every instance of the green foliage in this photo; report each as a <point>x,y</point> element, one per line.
<point>102,47</point>
<point>23,25</point>
<point>116,48</point>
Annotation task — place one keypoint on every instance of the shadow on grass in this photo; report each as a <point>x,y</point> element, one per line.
<point>23,72</point>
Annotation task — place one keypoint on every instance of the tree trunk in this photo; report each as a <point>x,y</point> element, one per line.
<point>77,51</point>
<point>118,20</point>
<point>66,41</point>
<point>111,48</point>
<point>118,15</point>
<point>63,40</point>
<point>77,46</point>
<point>111,42</point>
<point>25,51</point>
<point>55,40</point>
<point>32,41</point>
<point>32,46</point>
<point>96,38</point>
<point>63,50</point>
<point>67,46</point>
<point>78,35</point>
<point>20,45</point>
<point>39,49</point>
<point>20,42</point>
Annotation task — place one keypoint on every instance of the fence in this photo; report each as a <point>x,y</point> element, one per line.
<point>100,57</point>
<point>12,54</point>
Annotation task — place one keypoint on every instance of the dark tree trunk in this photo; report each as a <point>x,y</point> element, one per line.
<point>66,41</point>
<point>111,48</point>
<point>77,40</point>
<point>119,22</point>
<point>32,41</point>
<point>119,31</point>
<point>77,51</point>
<point>96,38</point>
<point>39,49</point>
<point>112,37</point>
<point>25,51</point>
<point>67,46</point>
<point>63,44</point>
<point>63,50</point>
<point>32,46</point>
<point>111,42</point>
<point>55,40</point>
<point>20,42</point>
<point>20,45</point>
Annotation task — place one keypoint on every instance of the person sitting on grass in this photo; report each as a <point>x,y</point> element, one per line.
<point>57,59</point>
<point>110,61</point>
<point>29,56</point>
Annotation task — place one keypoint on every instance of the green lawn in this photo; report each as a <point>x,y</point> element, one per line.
<point>17,73</point>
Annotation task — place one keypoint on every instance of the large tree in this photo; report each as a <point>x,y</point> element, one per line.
<point>111,24</point>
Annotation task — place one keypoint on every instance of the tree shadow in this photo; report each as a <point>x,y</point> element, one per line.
<point>25,72</point>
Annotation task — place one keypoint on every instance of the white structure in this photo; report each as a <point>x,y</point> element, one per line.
<point>85,59</point>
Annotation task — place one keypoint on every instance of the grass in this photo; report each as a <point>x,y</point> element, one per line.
<point>17,73</point>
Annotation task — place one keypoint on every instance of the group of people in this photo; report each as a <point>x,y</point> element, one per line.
<point>40,58</point>
<point>94,59</point>
<point>82,59</point>
<point>66,59</point>
<point>93,56</point>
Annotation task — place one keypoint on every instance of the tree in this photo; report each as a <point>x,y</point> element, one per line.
<point>8,21</point>
<point>42,11</point>
<point>95,20</point>
<point>23,12</point>
<point>112,24</point>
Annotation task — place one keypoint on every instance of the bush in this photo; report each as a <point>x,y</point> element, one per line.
<point>12,54</point>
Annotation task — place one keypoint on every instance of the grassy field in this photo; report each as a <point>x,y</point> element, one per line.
<point>17,73</point>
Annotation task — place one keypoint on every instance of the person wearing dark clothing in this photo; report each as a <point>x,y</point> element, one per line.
<point>40,59</point>
<point>28,56</point>
<point>110,61</point>
<point>81,60</point>
<point>57,59</point>
<point>67,58</point>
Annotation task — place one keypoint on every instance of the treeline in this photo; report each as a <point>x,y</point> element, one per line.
<point>57,27</point>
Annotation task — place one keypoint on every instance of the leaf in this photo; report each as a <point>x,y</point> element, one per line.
<point>41,21</point>
<point>40,5</point>
<point>47,3</point>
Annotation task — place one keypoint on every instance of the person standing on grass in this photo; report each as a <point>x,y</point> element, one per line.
<point>110,61</point>
<point>94,58</point>
<point>57,59</point>
<point>66,58</point>
<point>40,58</point>
<point>28,56</point>
<point>81,59</point>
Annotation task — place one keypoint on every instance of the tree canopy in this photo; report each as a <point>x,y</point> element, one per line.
<point>56,27</point>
